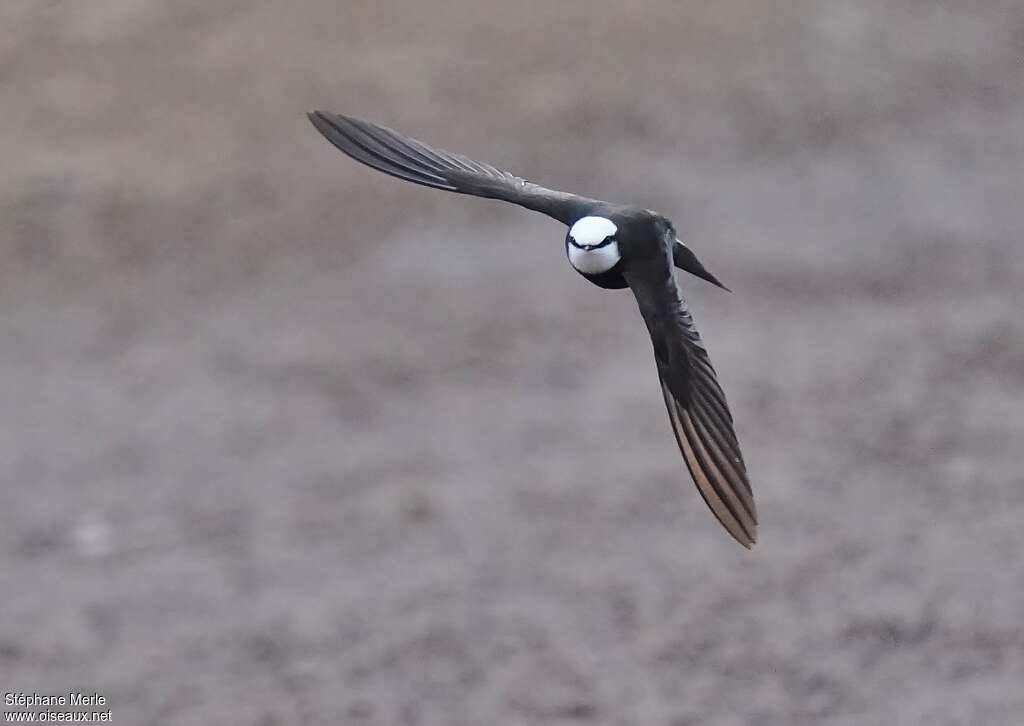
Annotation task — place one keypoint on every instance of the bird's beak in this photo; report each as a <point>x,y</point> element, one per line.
<point>685,260</point>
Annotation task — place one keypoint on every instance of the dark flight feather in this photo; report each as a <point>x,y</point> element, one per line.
<point>696,405</point>
<point>406,158</point>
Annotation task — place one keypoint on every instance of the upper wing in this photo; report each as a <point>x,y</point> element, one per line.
<point>392,153</point>
<point>696,404</point>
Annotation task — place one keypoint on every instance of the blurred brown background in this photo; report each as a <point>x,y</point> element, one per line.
<point>288,441</point>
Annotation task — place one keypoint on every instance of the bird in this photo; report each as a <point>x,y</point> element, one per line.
<point>613,246</point>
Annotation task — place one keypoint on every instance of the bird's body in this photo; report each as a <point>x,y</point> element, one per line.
<point>614,247</point>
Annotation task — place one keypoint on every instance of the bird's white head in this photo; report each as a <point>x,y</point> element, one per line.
<point>592,246</point>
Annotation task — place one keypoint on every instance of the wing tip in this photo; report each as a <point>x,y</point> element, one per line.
<point>329,123</point>
<point>322,122</point>
<point>745,534</point>
<point>737,517</point>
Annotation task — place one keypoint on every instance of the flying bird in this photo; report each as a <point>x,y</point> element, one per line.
<point>614,246</point>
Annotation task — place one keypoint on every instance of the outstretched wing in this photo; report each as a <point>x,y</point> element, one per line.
<point>392,153</point>
<point>696,404</point>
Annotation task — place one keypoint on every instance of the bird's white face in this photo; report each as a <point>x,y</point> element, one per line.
<point>592,245</point>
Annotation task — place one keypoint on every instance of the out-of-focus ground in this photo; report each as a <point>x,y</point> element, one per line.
<point>286,441</point>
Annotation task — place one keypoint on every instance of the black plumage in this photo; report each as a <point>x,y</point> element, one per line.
<point>648,250</point>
